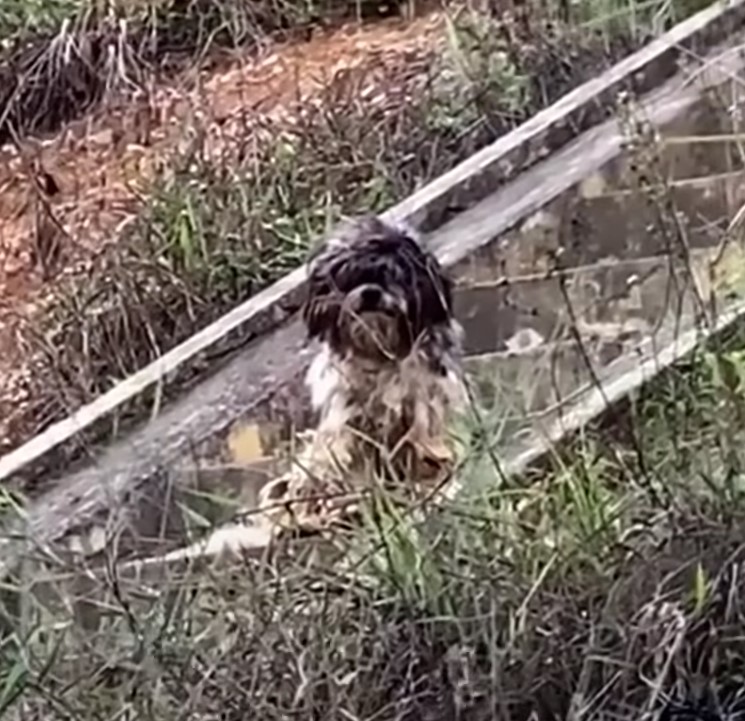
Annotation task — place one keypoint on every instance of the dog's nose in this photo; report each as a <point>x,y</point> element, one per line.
<point>370,298</point>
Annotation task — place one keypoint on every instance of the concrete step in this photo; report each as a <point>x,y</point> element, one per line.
<point>598,223</point>
<point>611,300</point>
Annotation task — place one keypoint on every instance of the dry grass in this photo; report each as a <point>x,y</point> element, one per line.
<point>60,59</point>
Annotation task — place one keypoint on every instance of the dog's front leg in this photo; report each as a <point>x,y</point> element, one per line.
<point>427,445</point>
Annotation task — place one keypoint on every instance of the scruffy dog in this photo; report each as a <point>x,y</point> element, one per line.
<point>387,377</point>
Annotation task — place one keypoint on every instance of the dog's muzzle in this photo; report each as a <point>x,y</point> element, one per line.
<point>372,298</point>
<point>376,322</point>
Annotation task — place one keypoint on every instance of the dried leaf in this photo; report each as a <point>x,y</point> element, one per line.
<point>245,444</point>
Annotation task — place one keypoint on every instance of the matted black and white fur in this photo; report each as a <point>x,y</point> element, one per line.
<point>388,374</point>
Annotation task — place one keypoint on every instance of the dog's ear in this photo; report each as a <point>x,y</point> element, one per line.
<point>318,313</point>
<point>321,308</point>
<point>332,265</point>
<point>327,268</point>
<point>321,316</point>
<point>432,294</point>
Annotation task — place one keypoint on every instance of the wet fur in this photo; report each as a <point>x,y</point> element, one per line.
<point>388,374</point>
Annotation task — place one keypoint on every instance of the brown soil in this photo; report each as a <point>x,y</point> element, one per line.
<point>62,199</point>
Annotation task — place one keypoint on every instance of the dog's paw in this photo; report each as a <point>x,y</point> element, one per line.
<point>434,459</point>
<point>301,502</point>
<point>273,510</point>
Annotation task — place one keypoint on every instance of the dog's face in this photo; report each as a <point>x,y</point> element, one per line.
<point>373,290</point>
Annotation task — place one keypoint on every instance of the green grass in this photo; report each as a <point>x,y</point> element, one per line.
<point>605,581</point>
<point>35,16</point>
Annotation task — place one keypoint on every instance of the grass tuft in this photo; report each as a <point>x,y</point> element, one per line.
<point>574,592</point>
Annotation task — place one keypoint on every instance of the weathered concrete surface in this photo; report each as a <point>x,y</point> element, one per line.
<point>676,338</point>
<point>579,110</point>
<point>614,301</point>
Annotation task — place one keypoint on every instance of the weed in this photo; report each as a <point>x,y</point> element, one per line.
<point>570,588</point>
<point>60,58</point>
<point>575,591</point>
<point>37,16</point>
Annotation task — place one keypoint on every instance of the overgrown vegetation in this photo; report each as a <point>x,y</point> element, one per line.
<point>605,583</point>
<point>59,58</point>
<point>221,226</point>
